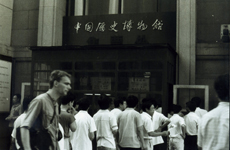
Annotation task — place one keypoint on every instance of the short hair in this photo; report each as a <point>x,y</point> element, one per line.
<point>153,101</point>
<point>84,103</point>
<point>146,104</point>
<point>70,97</point>
<point>56,75</point>
<point>118,101</point>
<point>197,100</point>
<point>191,105</point>
<point>132,101</point>
<point>18,97</point>
<point>104,102</point>
<point>221,86</point>
<point>176,108</point>
<point>26,102</point>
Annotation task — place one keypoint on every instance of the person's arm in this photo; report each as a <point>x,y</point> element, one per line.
<point>91,135</point>
<point>183,128</point>
<point>73,126</point>
<point>141,136</point>
<point>25,136</point>
<point>154,134</point>
<point>166,122</point>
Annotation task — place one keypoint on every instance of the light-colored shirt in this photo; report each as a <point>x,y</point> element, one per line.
<point>147,127</point>
<point>116,112</point>
<point>80,138</point>
<point>213,132</point>
<point>128,123</point>
<point>175,126</point>
<point>200,112</point>
<point>17,124</point>
<point>192,123</point>
<point>106,123</point>
<point>158,119</point>
<point>43,113</point>
<point>147,124</point>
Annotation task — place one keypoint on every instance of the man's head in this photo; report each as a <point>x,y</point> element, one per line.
<point>197,100</point>
<point>191,106</point>
<point>17,98</point>
<point>104,102</point>
<point>68,99</point>
<point>60,81</point>
<point>132,101</point>
<point>221,86</point>
<point>176,108</point>
<point>120,103</point>
<point>26,102</point>
<point>84,103</point>
<point>147,106</point>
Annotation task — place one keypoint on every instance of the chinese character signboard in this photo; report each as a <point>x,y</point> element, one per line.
<point>155,27</point>
<point>138,84</point>
<point>101,83</point>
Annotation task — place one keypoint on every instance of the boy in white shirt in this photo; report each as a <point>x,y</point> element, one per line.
<point>192,122</point>
<point>177,130</point>
<point>148,109</point>
<point>82,138</point>
<point>106,124</point>
<point>120,105</point>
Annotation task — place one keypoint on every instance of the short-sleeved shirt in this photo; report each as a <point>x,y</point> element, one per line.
<point>116,112</point>
<point>192,123</point>
<point>66,119</point>
<point>14,112</point>
<point>85,125</point>
<point>106,123</point>
<point>158,119</point>
<point>175,126</point>
<point>43,113</point>
<point>200,112</point>
<point>128,122</point>
<point>213,131</point>
<point>17,124</point>
<point>147,124</point>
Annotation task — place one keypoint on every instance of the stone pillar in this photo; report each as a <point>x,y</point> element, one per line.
<point>50,22</point>
<point>113,7</point>
<point>186,44</point>
<point>79,8</point>
<point>6,15</point>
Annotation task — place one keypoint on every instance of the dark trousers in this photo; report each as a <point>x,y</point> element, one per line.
<point>190,142</point>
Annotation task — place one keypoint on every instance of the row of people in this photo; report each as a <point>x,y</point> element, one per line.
<point>133,129</point>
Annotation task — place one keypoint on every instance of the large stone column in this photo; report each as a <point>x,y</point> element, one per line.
<point>186,44</point>
<point>50,22</point>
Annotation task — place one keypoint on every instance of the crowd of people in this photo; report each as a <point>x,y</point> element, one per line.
<point>45,126</point>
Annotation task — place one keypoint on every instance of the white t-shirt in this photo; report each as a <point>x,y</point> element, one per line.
<point>148,127</point>
<point>106,123</point>
<point>116,112</point>
<point>85,125</point>
<point>128,123</point>
<point>158,119</point>
<point>200,112</point>
<point>192,123</point>
<point>175,125</point>
<point>17,124</point>
<point>213,131</point>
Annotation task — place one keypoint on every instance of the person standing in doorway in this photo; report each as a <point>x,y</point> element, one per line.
<point>15,112</point>
<point>42,114</point>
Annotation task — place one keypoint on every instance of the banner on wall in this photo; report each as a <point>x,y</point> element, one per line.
<point>5,85</point>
